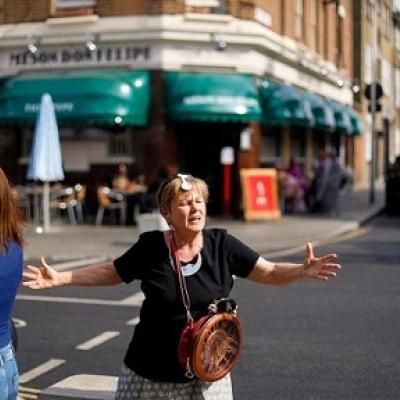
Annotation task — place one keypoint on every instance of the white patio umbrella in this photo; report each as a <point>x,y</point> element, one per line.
<point>46,163</point>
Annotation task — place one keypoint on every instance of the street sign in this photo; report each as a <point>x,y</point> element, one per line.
<point>260,193</point>
<point>378,91</point>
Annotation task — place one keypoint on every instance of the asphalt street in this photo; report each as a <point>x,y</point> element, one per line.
<point>309,340</point>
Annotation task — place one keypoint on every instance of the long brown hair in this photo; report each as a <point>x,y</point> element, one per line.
<point>11,222</point>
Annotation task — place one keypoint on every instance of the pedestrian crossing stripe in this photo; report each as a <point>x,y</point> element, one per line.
<point>27,393</point>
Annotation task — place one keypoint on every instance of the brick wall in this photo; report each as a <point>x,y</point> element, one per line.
<point>139,7</point>
<point>121,7</point>
<point>26,10</point>
<point>157,142</point>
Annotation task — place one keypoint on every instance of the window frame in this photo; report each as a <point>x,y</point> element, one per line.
<point>64,4</point>
<point>299,19</point>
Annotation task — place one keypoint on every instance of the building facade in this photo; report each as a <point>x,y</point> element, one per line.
<point>174,83</point>
<point>376,47</point>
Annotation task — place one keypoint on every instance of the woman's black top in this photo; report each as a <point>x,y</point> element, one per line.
<point>152,352</point>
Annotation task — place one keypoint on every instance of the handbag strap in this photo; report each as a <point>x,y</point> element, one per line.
<point>170,239</point>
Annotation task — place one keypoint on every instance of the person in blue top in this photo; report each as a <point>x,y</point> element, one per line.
<point>11,265</point>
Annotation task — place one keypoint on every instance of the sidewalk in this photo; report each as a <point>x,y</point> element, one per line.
<point>269,238</point>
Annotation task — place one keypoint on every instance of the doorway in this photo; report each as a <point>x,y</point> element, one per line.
<point>199,152</point>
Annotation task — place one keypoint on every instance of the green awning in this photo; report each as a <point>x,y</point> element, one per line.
<point>211,97</point>
<point>355,122</point>
<point>323,114</point>
<point>284,105</point>
<point>84,97</point>
<point>342,118</point>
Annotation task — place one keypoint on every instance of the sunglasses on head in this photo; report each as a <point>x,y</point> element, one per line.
<point>185,184</point>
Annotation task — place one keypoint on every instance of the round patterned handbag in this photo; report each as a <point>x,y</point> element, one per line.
<point>210,346</point>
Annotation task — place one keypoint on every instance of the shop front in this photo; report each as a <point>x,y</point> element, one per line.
<point>210,114</point>
<point>287,120</point>
<point>98,113</point>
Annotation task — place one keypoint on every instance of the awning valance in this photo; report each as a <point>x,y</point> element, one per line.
<point>356,124</point>
<point>211,97</point>
<point>84,97</point>
<point>322,112</point>
<point>342,118</point>
<point>284,105</point>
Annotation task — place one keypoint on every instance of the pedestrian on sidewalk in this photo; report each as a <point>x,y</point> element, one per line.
<point>330,178</point>
<point>11,265</point>
<point>208,258</point>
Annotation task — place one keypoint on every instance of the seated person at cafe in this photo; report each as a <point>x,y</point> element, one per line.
<point>121,180</point>
<point>132,189</point>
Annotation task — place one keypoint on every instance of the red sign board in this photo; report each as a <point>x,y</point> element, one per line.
<point>260,195</point>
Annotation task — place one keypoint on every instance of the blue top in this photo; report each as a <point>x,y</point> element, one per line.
<point>11,265</point>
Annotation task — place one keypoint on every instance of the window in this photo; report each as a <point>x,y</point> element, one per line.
<point>75,3</point>
<point>202,3</point>
<point>298,144</point>
<point>386,21</point>
<point>120,145</point>
<point>367,63</point>
<point>386,70</point>
<point>207,6</point>
<point>370,9</point>
<point>397,88</point>
<point>299,19</point>
<point>397,37</point>
<point>271,147</point>
<point>313,25</point>
<point>26,142</point>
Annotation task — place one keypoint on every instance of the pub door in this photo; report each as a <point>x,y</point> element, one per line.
<point>199,149</point>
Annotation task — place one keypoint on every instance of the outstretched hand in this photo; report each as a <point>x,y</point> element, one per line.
<point>43,277</point>
<point>321,268</point>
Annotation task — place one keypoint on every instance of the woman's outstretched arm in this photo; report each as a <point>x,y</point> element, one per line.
<point>46,277</point>
<point>320,268</point>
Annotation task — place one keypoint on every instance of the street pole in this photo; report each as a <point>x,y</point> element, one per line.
<point>373,105</point>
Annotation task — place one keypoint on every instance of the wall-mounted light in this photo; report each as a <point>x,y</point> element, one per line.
<point>245,139</point>
<point>220,43</point>
<point>301,60</point>
<point>33,43</point>
<point>340,82</point>
<point>356,87</point>
<point>91,42</point>
<point>324,71</point>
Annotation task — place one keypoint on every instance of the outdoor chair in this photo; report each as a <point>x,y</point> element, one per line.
<point>64,200</point>
<point>80,196</point>
<point>23,201</point>
<point>111,201</point>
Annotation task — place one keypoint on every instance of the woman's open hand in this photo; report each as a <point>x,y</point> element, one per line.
<point>321,268</point>
<point>43,277</point>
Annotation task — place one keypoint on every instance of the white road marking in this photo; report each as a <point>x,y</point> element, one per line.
<point>131,301</point>
<point>97,340</point>
<point>331,240</point>
<point>79,263</point>
<point>133,321</point>
<point>19,323</point>
<point>134,300</point>
<point>40,370</point>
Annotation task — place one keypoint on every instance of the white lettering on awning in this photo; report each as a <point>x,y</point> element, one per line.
<point>220,100</point>
<point>31,108</point>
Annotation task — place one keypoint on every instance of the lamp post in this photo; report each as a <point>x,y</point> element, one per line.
<point>373,104</point>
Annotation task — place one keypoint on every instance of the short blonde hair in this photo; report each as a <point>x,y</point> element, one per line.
<point>171,187</point>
